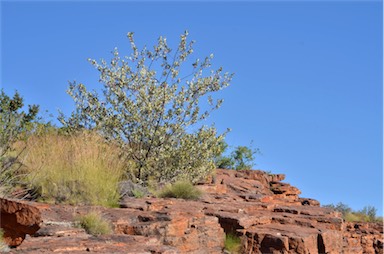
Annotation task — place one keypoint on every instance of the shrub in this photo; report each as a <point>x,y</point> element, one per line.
<point>243,157</point>
<point>352,217</point>
<point>13,121</point>
<point>367,214</point>
<point>74,169</point>
<point>232,243</point>
<point>180,189</point>
<point>340,207</point>
<point>151,107</point>
<point>94,224</point>
<point>240,159</point>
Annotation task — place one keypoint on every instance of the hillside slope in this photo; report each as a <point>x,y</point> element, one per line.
<point>267,214</point>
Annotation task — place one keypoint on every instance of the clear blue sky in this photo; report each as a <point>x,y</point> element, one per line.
<point>307,87</point>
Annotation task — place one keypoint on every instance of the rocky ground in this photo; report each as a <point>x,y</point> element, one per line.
<point>267,214</point>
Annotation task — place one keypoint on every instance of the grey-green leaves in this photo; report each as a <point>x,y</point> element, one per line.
<point>149,101</point>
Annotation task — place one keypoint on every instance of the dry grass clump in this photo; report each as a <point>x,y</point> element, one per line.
<point>361,217</point>
<point>232,244</point>
<point>180,189</point>
<point>94,224</point>
<point>73,169</point>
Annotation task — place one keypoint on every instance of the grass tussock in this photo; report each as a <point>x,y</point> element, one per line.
<point>94,224</point>
<point>180,189</point>
<point>75,169</point>
<point>232,244</point>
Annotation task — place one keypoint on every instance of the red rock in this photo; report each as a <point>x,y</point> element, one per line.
<point>18,219</point>
<point>267,214</point>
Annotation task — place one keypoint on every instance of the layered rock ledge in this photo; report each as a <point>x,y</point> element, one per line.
<point>267,214</point>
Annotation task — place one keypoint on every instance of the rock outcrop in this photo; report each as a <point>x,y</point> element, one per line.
<point>17,220</point>
<point>267,214</point>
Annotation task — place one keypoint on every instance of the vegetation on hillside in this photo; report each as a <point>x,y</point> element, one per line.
<point>13,122</point>
<point>241,158</point>
<point>75,169</point>
<point>144,131</point>
<point>180,189</point>
<point>146,128</point>
<point>94,224</point>
<point>367,214</point>
<point>151,106</point>
<point>232,244</point>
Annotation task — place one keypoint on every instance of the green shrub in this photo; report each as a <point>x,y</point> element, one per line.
<point>352,217</point>
<point>150,103</point>
<point>74,169</point>
<point>367,214</point>
<point>232,243</point>
<point>13,122</point>
<point>180,189</point>
<point>240,159</point>
<point>360,217</point>
<point>94,224</point>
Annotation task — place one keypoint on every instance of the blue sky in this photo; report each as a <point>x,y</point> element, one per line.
<point>308,75</point>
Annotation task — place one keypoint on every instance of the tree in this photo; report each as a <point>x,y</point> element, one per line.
<point>222,161</point>
<point>241,158</point>
<point>149,106</point>
<point>370,212</point>
<point>13,122</point>
<point>367,214</point>
<point>340,207</point>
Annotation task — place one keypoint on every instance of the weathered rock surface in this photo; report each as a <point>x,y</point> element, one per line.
<point>266,213</point>
<point>18,219</point>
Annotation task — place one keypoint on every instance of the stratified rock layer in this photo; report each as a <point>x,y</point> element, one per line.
<point>265,213</point>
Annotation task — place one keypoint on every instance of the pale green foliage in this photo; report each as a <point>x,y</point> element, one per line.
<point>180,189</point>
<point>73,169</point>
<point>94,224</point>
<point>148,104</point>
